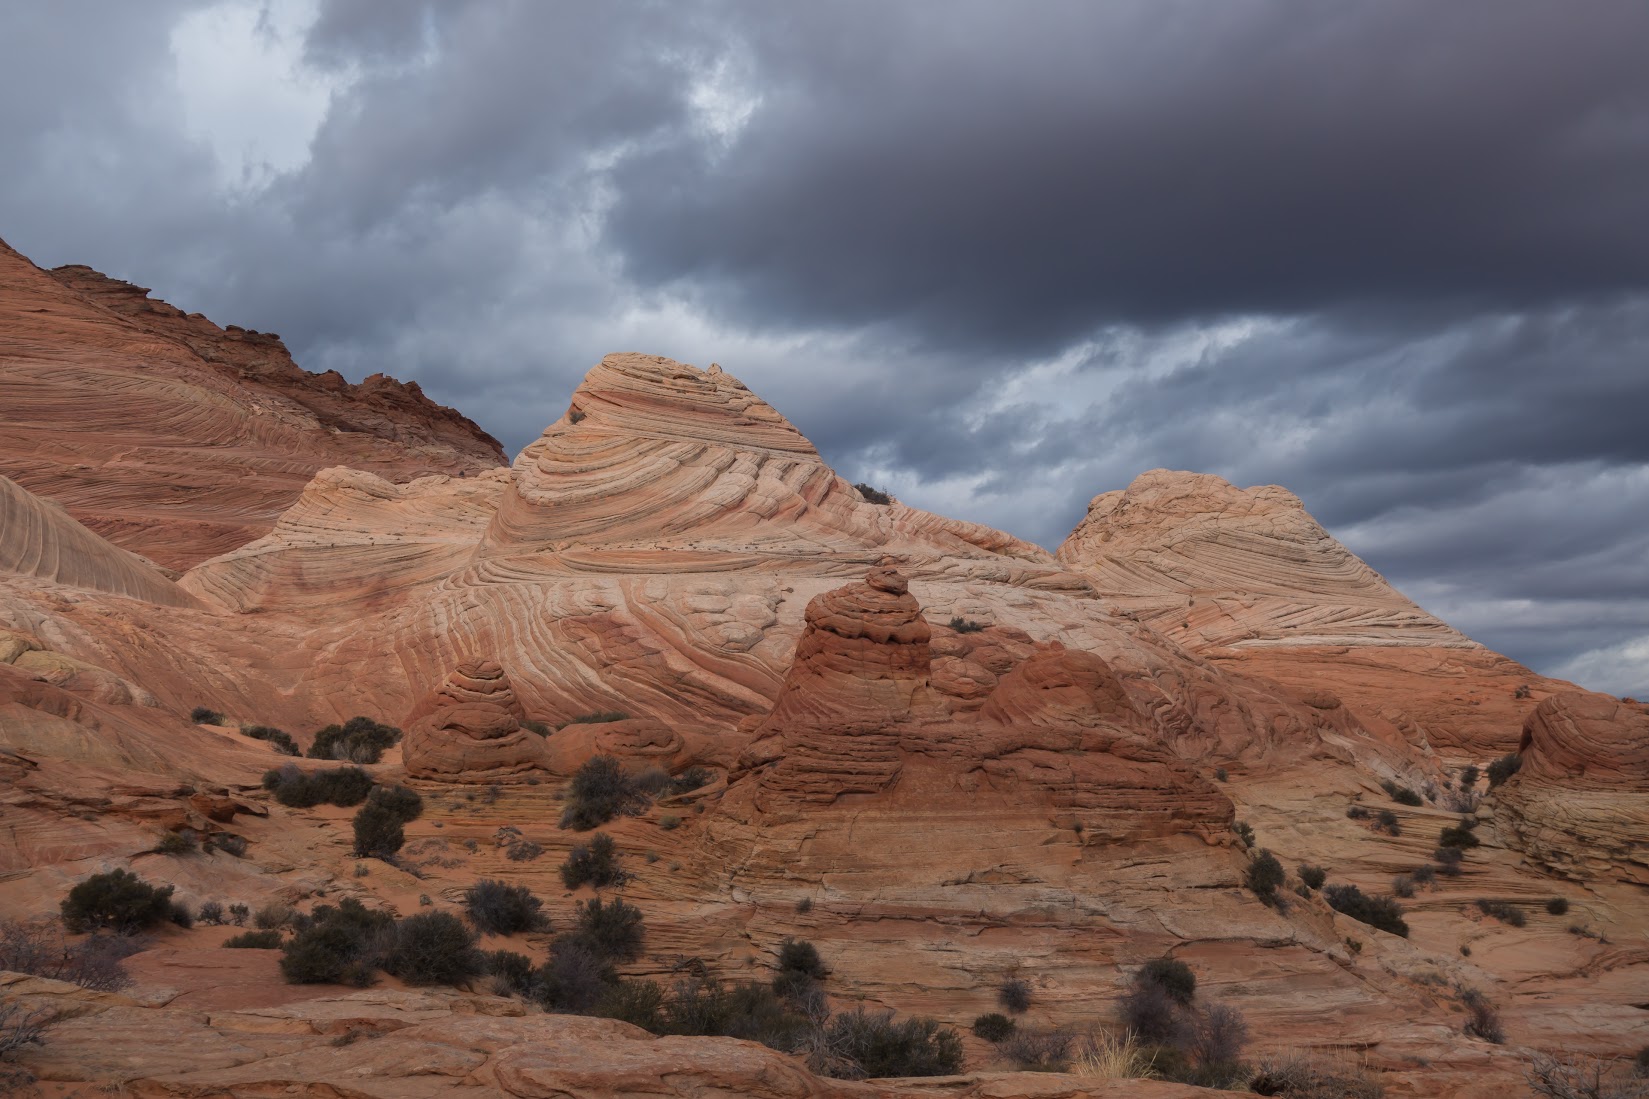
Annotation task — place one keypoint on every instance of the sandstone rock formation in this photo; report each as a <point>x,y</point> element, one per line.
<point>469,730</point>
<point>179,440</point>
<point>1250,580</point>
<point>1579,803</point>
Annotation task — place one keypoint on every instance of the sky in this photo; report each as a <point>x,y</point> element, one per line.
<point>995,257</point>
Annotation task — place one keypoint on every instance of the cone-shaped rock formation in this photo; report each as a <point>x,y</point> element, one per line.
<point>469,730</point>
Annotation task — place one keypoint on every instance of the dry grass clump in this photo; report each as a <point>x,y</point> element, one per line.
<point>1107,1055</point>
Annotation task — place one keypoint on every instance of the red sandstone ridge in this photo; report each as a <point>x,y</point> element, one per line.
<point>177,439</point>
<point>1248,578</point>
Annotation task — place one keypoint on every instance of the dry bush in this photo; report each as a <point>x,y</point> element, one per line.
<point>40,950</point>
<point>1106,1055</point>
<point>1038,1050</point>
<point>1584,1078</point>
<point>1315,1076</point>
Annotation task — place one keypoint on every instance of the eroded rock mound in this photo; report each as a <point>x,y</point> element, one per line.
<point>1579,803</point>
<point>469,730</point>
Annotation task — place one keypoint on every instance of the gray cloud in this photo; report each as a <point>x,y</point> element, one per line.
<point>997,258</point>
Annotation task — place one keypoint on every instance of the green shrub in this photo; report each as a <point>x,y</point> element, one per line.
<point>404,803</point>
<point>599,717</point>
<point>118,900</point>
<point>594,863</point>
<point>238,914</point>
<point>358,740</point>
<point>378,831</point>
<point>497,908</point>
<point>512,971</point>
<point>254,940</point>
<point>1448,861</point>
<point>179,914</point>
<point>1356,812</point>
<point>966,625</point>
<point>433,948</point>
<point>702,1006</point>
<point>800,970</point>
<point>1557,906</point>
<point>694,778</point>
<point>281,741</point>
<point>274,915</point>
<point>1504,768</point>
<point>1402,886</point>
<point>994,1027</point>
<point>538,727</point>
<point>1424,875</point>
<point>1386,821</point>
<point>612,930</point>
<point>873,495</point>
<point>1381,912</point>
<point>1264,876</point>
<point>1245,832</point>
<point>639,1003</point>
<point>875,1045</point>
<point>669,822</point>
<point>1469,777</point>
<point>1014,994</point>
<point>574,979</point>
<point>1503,911</point>
<point>180,842</point>
<point>341,786</point>
<point>1459,835</point>
<point>338,945</point>
<point>204,715</point>
<point>1172,976</point>
<point>601,790</point>
<point>1313,876</point>
<point>1402,795</point>
<point>211,913</point>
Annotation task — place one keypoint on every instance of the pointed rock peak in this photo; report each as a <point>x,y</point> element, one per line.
<point>649,395</point>
<point>476,682</point>
<point>469,729</point>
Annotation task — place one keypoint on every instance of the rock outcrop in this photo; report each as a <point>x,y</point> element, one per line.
<point>1579,803</point>
<point>179,440</point>
<point>469,730</point>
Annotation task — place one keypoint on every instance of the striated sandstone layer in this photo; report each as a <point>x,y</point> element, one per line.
<point>179,440</point>
<point>1579,803</point>
<point>1250,580</point>
<point>469,730</point>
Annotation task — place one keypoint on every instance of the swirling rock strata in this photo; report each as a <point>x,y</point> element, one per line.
<point>1579,803</point>
<point>177,439</point>
<point>469,730</point>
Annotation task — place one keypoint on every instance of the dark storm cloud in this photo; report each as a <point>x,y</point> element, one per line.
<point>996,257</point>
<point>1012,175</point>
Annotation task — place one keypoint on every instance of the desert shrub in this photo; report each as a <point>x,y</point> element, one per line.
<point>523,851</point>
<point>601,790</point>
<point>872,495</point>
<point>599,717</point>
<point>1264,876</point>
<point>1038,1050</point>
<point>341,786</point>
<point>875,1045</point>
<point>1303,1076</point>
<point>1557,906</point>
<point>669,822</point>
<point>1357,812</point>
<point>1014,994</point>
<point>533,726</point>
<point>1105,1055</point>
<point>966,625</point>
<point>1459,835</point>
<point>403,802</point>
<point>703,1006</point>
<point>694,778</point>
<point>804,906</point>
<point>39,949</point>
<point>994,1027</point>
<point>800,969</point>
<point>497,908</point>
<point>1219,774</point>
<point>639,1003</point>
<point>1150,1013</point>
<point>358,740</point>
<point>1482,1020</point>
<point>205,715</point>
<point>118,900</point>
<point>180,915</point>
<point>653,781</point>
<point>278,738</point>
<point>341,945</point>
<point>594,863</point>
<point>1448,861</point>
<point>211,913</point>
<point>254,940</point>
<point>1172,976</point>
<point>238,914</point>
<point>1503,911</point>
<point>378,831</point>
<point>274,915</point>
<point>1312,876</point>
<point>1381,912</point>
<point>1424,875</point>
<point>612,930</point>
<point>1245,832</point>
<point>1469,776</point>
<point>180,842</point>
<point>1402,886</point>
<point>1386,821</point>
<point>20,1028</point>
<point>226,842</point>
<point>1584,1078</point>
<point>1504,768</point>
<point>574,979</point>
<point>1213,1040</point>
<point>512,973</point>
<point>1402,795</point>
<point>433,948</point>
<point>1640,1063</point>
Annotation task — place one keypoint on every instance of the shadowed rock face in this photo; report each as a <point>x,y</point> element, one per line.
<point>469,730</point>
<point>1579,803</point>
